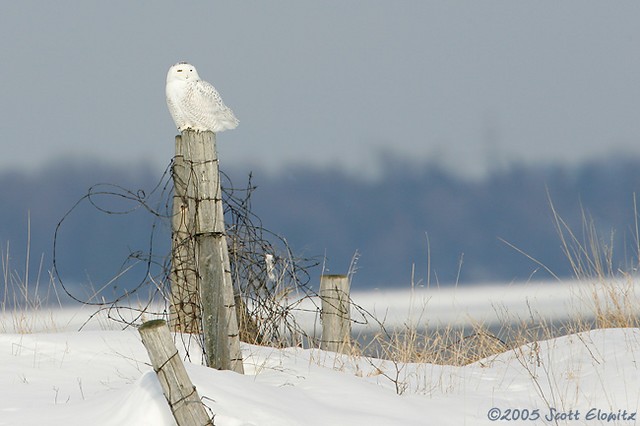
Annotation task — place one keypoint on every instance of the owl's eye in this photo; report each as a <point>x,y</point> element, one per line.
<point>179,70</point>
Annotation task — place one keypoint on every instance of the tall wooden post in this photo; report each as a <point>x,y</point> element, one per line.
<point>210,258</point>
<point>336,313</point>
<point>185,312</point>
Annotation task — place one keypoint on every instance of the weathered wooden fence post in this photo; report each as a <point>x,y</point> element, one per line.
<point>182,396</point>
<point>209,257</point>
<point>336,313</point>
<point>185,315</point>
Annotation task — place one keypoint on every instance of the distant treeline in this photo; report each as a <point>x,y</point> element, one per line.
<point>412,220</point>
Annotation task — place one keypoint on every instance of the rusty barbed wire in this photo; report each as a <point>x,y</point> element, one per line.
<point>270,281</point>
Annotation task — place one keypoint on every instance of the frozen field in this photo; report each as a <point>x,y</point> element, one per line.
<point>100,376</point>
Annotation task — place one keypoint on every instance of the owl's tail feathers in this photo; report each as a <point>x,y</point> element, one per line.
<point>226,123</point>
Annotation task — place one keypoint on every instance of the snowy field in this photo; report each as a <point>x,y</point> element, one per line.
<point>101,376</point>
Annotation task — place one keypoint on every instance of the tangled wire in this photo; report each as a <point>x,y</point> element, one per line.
<point>270,282</point>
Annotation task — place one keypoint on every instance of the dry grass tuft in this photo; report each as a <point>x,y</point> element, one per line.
<point>22,300</point>
<point>444,346</point>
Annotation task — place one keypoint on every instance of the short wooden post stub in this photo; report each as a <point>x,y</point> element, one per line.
<point>336,313</point>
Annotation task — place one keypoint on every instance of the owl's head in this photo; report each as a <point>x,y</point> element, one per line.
<point>182,71</point>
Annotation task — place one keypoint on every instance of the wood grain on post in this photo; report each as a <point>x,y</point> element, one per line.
<point>181,394</point>
<point>213,272</point>
<point>336,313</point>
<point>185,315</point>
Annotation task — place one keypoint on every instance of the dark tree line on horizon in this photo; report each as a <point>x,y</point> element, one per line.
<point>411,219</point>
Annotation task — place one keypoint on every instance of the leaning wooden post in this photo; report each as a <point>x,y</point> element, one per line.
<point>182,396</point>
<point>336,313</point>
<point>213,272</point>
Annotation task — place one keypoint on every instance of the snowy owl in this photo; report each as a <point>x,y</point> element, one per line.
<point>194,103</point>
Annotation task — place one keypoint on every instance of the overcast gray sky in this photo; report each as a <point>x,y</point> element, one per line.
<point>466,83</point>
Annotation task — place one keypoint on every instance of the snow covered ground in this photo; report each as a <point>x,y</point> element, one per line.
<point>101,376</point>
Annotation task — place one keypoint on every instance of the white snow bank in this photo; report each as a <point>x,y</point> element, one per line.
<point>103,378</point>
